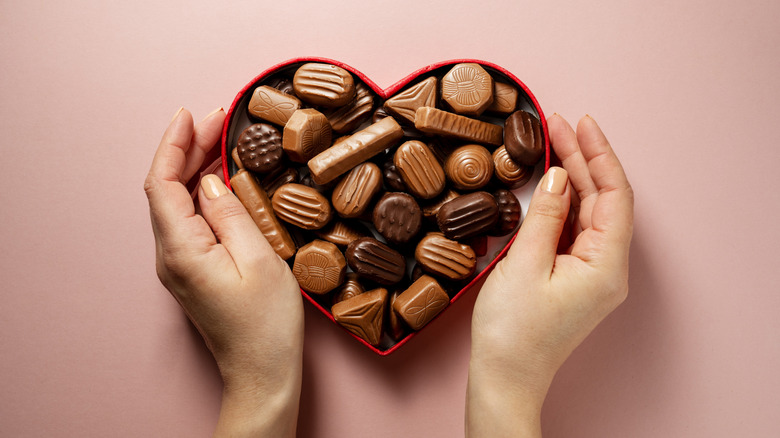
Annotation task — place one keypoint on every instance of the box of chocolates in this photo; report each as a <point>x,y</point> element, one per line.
<point>388,204</point>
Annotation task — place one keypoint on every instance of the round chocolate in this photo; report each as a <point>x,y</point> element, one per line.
<point>509,210</point>
<point>260,148</point>
<point>319,267</point>
<point>511,174</point>
<point>392,176</point>
<point>397,217</point>
<point>469,167</point>
<point>523,138</point>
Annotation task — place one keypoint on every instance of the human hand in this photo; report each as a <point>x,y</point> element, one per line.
<point>538,305</point>
<point>240,295</point>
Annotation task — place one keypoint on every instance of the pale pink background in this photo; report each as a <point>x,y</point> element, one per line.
<point>92,345</point>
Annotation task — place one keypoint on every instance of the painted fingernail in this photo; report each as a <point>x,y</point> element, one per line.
<point>175,116</point>
<point>554,181</point>
<point>212,186</point>
<point>214,112</point>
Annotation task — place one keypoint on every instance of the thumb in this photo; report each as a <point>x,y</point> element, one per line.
<point>232,225</point>
<point>537,241</point>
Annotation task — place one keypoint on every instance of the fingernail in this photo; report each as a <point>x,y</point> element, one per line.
<point>213,112</point>
<point>554,181</point>
<point>175,116</point>
<point>212,186</point>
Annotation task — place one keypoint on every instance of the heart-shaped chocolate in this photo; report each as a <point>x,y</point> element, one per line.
<point>326,184</point>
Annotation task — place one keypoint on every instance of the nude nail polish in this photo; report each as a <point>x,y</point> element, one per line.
<point>177,114</point>
<point>554,181</point>
<point>213,112</point>
<point>212,186</point>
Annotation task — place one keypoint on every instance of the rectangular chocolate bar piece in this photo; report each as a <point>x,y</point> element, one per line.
<point>435,121</point>
<point>355,149</point>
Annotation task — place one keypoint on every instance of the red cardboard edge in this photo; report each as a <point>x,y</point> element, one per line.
<point>384,93</point>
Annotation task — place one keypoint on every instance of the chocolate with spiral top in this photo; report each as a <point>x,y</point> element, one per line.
<point>511,174</point>
<point>469,167</point>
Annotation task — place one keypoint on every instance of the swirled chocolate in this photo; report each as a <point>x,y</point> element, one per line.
<point>468,215</point>
<point>397,217</point>
<point>511,174</point>
<point>523,138</point>
<point>375,261</point>
<point>469,167</point>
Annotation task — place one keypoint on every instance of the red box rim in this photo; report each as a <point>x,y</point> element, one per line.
<point>384,93</point>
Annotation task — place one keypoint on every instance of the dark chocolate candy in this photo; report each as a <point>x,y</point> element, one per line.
<point>282,84</point>
<point>379,114</point>
<point>509,211</point>
<point>392,176</point>
<point>523,138</point>
<point>260,148</point>
<point>375,261</point>
<point>397,217</point>
<point>468,215</point>
<point>278,178</point>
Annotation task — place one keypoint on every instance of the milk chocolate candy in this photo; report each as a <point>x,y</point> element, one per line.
<point>511,174</point>
<point>306,134</point>
<point>282,84</point>
<point>375,261</point>
<point>421,302</point>
<point>419,169</point>
<point>509,211</point>
<point>403,105</point>
<point>270,104</point>
<point>353,150</point>
<point>523,138</point>
<point>445,258</point>
<point>363,314</point>
<point>325,85</point>
<point>236,158</point>
<point>397,217</point>
<point>301,206</point>
<point>467,88</point>
<point>319,267</point>
<point>504,98</point>
<point>431,210</point>
<point>259,207</point>
<point>278,178</point>
<point>343,233</point>
<point>350,288</point>
<point>352,196</point>
<point>395,326</point>
<point>392,177</point>
<point>438,122</point>
<point>260,148</point>
<point>468,215</point>
<point>469,167</point>
<point>348,117</point>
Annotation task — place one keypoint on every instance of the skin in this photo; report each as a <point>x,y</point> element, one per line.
<point>558,281</point>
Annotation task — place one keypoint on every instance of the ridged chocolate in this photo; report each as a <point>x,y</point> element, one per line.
<point>394,323</point>
<point>438,122</point>
<point>467,88</point>
<point>419,169</point>
<point>504,98</point>
<point>469,167</point>
<point>271,182</point>
<point>523,138</point>
<point>375,261</point>
<point>353,195</point>
<point>319,267</point>
<point>431,210</point>
<point>421,302</point>
<point>353,150</point>
<point>392,177</point>
<point>511,174</point>
<point>403,105</point>
<point>270,104</point>
<point>509,211</point>
<point>306,134</point>
<point>363,314</point>
<point>259,207</point>
<point>445,258</point>
<point>260,148</point>
<point>397,217</point>
<point>348,117</point>
<point>282,84</point>
<point>343,233</point>
<point>326,85</point>
<point>301,206</point>
<point>468,215</point>
<point>350,288</point>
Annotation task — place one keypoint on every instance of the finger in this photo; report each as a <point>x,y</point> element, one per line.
<point>233,226</point>
<point>205,136</point>
<point>169,201</point>
<point>537,241</point>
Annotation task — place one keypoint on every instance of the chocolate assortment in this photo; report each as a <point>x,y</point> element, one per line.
<point>372,187</point>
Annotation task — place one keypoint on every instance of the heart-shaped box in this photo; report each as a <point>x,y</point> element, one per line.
<point>238,119</point>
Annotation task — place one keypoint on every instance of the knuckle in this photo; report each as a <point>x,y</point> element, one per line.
<point>550,209</point>
<point>228,209</point>
<point>150,185</point>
